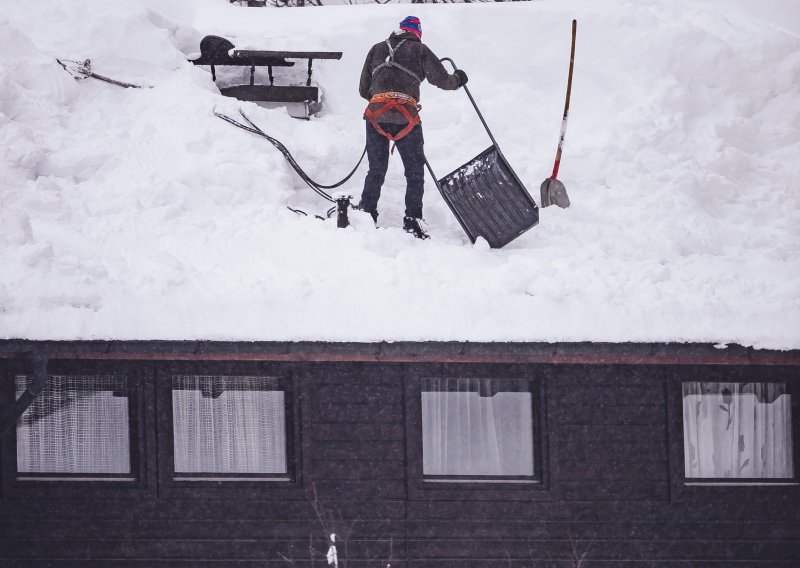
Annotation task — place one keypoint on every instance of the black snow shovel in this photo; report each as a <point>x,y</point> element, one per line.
<point>486,196</point>
<point>552,190</point>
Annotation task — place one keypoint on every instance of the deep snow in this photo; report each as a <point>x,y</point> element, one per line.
<point>136,214</point>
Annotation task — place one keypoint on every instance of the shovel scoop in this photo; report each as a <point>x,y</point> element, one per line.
<point>553,192</point>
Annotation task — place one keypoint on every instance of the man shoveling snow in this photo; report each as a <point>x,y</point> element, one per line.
<point>390,81</point>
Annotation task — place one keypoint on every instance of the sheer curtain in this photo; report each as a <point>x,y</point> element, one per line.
<point>225,424</point>
<point>78,424</point>
<point>737,430</point>
<point>477,427</point>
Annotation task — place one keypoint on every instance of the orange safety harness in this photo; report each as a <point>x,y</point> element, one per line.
<point>397,101</point>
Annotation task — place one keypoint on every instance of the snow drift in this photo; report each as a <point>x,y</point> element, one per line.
<point>137,214</point>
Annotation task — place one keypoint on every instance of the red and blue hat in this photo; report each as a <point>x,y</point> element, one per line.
<point>413,25</point>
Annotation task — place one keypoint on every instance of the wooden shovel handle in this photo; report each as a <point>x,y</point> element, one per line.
<point>566,104</point>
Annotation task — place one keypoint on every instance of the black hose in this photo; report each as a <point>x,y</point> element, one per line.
<point>314,185</point>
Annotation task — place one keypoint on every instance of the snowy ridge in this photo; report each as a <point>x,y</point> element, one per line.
<point>137,214</point>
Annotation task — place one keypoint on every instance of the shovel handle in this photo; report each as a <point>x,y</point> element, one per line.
<point>466,90</point>
<point>566,103</point>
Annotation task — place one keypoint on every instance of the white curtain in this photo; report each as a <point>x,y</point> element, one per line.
<point>737,430</point>
<point>78,424</point>
<point>477,427</point>
<point>224,424</point>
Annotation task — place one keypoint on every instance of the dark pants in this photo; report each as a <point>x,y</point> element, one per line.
<point>412,153</point>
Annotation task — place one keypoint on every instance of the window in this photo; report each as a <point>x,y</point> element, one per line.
<point>229,427</point>
<point>477,429</point>
<point>78,425</point>
<point>737,431</point>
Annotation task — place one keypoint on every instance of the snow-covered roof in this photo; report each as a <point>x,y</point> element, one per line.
<point>137,214</point>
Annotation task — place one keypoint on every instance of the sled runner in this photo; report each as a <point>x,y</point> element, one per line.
<point>486,196</point>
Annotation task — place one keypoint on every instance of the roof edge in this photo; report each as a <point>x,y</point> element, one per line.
<point>406,352</point>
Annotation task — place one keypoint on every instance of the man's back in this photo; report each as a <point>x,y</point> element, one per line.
<point>412,55</point>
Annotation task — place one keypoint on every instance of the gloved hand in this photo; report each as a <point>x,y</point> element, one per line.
<point>462,77</point>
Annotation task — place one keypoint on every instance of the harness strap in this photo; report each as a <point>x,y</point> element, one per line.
<point>394,95</point>
<point>390,62</point>
<point>396,101</point>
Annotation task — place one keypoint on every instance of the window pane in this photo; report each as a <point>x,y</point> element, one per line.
<point>228,424</point>
<point>477,427</point>
<point>737,430</point>
<point>78,424</point>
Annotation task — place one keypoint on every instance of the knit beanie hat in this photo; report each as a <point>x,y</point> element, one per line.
<point>413,25</point>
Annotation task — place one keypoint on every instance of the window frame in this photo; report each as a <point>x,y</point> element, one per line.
<point>65,485</point>
<point>504,488</point>
<point>686,488</point>
<point>227,485</point>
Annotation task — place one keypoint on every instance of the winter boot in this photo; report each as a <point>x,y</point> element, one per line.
<point>411,225</point>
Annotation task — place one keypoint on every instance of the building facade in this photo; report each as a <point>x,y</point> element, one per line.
<point>412,454</point>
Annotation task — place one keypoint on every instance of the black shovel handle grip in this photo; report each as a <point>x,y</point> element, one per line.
<point>477,110</point>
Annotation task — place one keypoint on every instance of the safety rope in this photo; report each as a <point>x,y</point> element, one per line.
<point>317,187</point>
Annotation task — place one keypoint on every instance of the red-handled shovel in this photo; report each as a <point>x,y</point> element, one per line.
<point>552,190</point>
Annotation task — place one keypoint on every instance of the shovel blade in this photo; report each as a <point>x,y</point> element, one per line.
<point>553,192</point>
<point>489,200</point>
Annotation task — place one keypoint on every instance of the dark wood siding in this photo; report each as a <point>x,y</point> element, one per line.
<point>621,412</point>
<point>611,494</point>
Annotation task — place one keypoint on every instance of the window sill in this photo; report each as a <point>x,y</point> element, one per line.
<point>485,480</point>
<point>247,479</point>
<point>82,479</point>
<point>740,483</point>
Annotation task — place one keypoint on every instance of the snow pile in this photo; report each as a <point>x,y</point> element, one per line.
<point>137,214</point>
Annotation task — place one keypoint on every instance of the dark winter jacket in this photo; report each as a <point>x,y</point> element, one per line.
<point>413,55</point>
